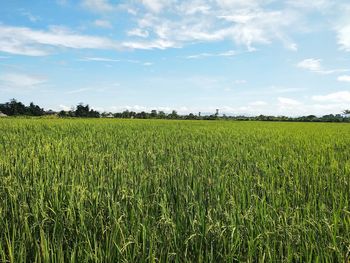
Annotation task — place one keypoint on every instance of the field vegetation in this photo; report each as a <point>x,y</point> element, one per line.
<point>107,190</point>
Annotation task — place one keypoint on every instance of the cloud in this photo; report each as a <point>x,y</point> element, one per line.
<point>246,23</point>
<point>343,37</point>
<point>240,81</point>
<point>309,5</point>
<point>148,45</point>
<point>258,103</point>
<point>98,5</point>
<point>98,59</point>
<point>25,41</point>
<point>30,16</point>
<point>228,53</point>
<point>19,81</point>
<point>155,5</point>
<point>101,59</point>
<point>102,23</point>
<point>288,102</point>
<point>344,78</point>
<point>310,64</point>
<point>78,90</point>
<point>64,107</point>
<point>138,32</point>
<point>337,97</point>
<point>314,65</point>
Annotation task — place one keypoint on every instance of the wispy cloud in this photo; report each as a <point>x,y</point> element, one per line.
<point>102,59</point>
<point>258,103</point>
<point>138,33</point>
<point>103,23</point>
<point>344,78</point>
<point>26,41</point>
<point>336,97</point>
<point>229,53</point>
<point>288,102</point>
<point>98,5</point>
<point>343,36</point>
<point>99,59</point>
<point>78,90</point>
<point>30,16</point>
<point>314,65</point>
<point>19,81</point>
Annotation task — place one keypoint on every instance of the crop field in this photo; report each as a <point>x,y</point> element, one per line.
<point>106,190</point>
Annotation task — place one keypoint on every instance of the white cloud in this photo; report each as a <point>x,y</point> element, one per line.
<point>258,103</point>
<point>314,65</point>
<point>314,4</point>
<point>147,45</point>
<point>64,107</point>
<point>194,7</point>
<point>246,23</point>
<point>19,81</point>
<point>337,97</point>
<point>344,78</point>
<point>343,36</point>
<point>30,16</point>
<point>98,59</point>
<point>228,53</point>
<point>240,81</point>
<point>288,102</point>
<point>310,64</point>
<point>25,41</point>
<point>138,32</point>
<point>78,90</point>
<point>101,59</point>
<point>98,5</point>
<point>165,24</point>
<point>156,5</point>
<point>103,23</point>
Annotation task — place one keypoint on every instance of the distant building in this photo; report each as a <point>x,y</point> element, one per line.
<point>2,114</point>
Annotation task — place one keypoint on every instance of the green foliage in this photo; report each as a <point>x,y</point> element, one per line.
<point>15,108</point>
<point>110,190</point>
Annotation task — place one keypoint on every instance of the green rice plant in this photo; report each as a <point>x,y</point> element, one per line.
<point>107,190</point>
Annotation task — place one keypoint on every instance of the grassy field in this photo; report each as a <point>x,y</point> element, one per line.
<point>173,191</point>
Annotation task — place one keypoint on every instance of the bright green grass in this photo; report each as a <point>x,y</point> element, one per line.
<point>173,191</point>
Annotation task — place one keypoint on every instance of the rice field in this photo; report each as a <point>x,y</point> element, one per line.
<point>107,190</point>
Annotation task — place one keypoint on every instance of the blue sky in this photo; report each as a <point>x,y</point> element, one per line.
<point>251,57</point>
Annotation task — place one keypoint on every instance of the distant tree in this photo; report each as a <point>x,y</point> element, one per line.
<point>13,108</point>
<point>126,114</point>
<point>173,115</point>
<point>346,112</point>
<point>63,114</point>
<point>190,116</point>
<point>154,114</point>
<point>82,111</point>
<point>161,115</point>
<point>85,112</point>
<point>35,110</point>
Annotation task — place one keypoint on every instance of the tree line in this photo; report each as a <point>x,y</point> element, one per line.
<point>17,108</point>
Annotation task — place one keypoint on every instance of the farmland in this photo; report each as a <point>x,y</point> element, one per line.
<point>173,191</point>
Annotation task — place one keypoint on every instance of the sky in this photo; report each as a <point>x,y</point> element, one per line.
<point>251,57</point>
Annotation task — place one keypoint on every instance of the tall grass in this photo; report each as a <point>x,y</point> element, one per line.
<point>173,191</point>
